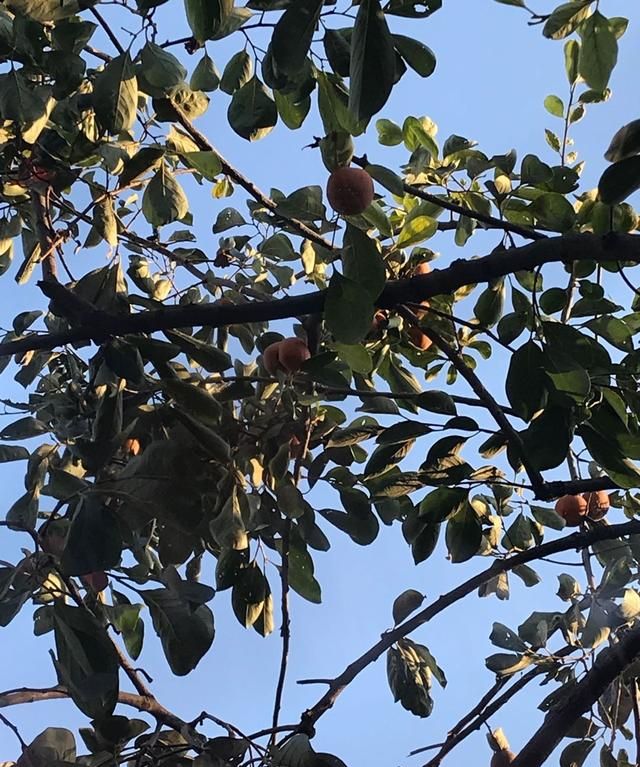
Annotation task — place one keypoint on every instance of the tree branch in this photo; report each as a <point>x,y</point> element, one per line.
<point>609,664</point>
<point>140,702</point>
<point>569,248</point>
<point>574,541</point>
<point>204,144</point>
<point>489,221</point>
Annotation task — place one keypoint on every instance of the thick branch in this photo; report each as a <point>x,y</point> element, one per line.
<point>609,664</point>
<point>139,702</point>
<point>578,247</point>
<point>574,541</point>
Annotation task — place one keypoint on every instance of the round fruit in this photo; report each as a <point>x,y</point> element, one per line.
<point>422,268</point>
<point>296,447</point>
<point>292,353</point>
<point>378,323</point>
<point>350,191</point>
<point>597,504</point>
<point>132,446</point>
<point>419,339</point>
<point>572,508</point>
<point>270,358</point>
<point>96,581</point>
<point>502,758</point>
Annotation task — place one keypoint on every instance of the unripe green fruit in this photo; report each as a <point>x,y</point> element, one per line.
<point>336,150</point>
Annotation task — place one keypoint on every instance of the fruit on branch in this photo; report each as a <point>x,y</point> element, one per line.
<point>132,446</point>
<point>350,191</point>
<point>572,508</point>
<point>598,504</point>
<point>502,758</point>
<point>418,338</point>
<point>292,354</point>
<point>270,358</point>
<point>96,581</point>
<point>378,324</point>
<point>422,268</point>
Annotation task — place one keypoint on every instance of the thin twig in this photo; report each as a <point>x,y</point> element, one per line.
<point>107,29</point>
<point>14,730</point>
<point>285,630</point>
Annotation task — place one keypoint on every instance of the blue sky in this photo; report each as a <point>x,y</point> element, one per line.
<point>492,76</point>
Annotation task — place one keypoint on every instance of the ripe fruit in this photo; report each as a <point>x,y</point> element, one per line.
<point>350,191</point>
<point>502,758</point>
<point>96,581</point>
<point>292,353</point>
<point>270,357</point>
<point>422,268</point>
<point>419,339</point>
<point>597,504</point>
<point>132,446</point>
<point>572,508</point>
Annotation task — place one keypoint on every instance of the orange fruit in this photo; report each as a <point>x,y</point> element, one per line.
<point>97,581</point>
<point>132,446</point>
<point>572,508</point>
<point>270,357</point>
<point>292,353</point>
<point>418,338</point>
<point>598,504</point>
<point>350,191</point>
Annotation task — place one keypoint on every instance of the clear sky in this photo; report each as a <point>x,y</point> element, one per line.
<point>492,76</point>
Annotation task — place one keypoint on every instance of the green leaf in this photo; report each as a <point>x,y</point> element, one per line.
<point>115,95</point>
<point>571,58</point>
<point>526,381</point>
<point>547,439</point>
<point>293,113</point>
<point>554,211</point>
<point>146,159</point>
<point>625,143</point>
<point>237,73</point>
<point>205,76</point>
<point>416,54</point>
<point>52,746</point>
<point>463,534</point>
<point>554,105</point>
<point>442,503</point>
<point>437,402</point>
<point>614,330</point>
<point>362,261</point>
<point>416,230</point>
<point>164,200</point>
<point>186,633</point>
<point>293,34</point>
<point>598,52</point>
<point>405,604</point>
<point>620,180</point>
<point>94,541</point>
<point>252,113</point>
<point>10,453</point>
<point>301,577</point>
<point>565,19</point>
<point>205,17</point>
<point>160,69</point>
<point>87,663</point>
<point>206,163</point>
<point>389,133</point>
<point>24,428</point>
<point>490,304</point>
<point>348,309</point>
<point>249,594</point>
<point>373,63</point>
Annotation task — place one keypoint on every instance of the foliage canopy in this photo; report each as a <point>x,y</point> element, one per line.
<point>162,440</point>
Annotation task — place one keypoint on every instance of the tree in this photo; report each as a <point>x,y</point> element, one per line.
<point>183,432</point>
